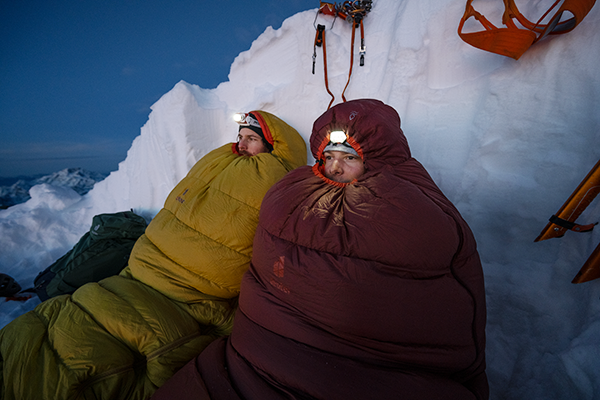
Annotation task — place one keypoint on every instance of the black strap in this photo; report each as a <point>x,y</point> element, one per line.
<point>571,225</point>
<point>320,30</point>
<point>319,38</point>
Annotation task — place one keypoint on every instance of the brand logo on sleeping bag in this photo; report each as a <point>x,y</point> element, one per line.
<point>278,271</point>
<point>278,267</point>
<point>180,197</point>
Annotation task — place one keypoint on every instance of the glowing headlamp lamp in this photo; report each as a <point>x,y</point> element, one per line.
<point>245,119</point>
<point>337,137</point>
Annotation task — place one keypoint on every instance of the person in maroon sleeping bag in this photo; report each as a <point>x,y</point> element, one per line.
<point>365,281</point>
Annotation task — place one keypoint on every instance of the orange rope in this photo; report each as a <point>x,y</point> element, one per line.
<point>320,42</point>
<point>325,72</point>
<point>351,59</point>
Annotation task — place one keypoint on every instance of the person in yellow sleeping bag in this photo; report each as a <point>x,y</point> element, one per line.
<point>123,337</point>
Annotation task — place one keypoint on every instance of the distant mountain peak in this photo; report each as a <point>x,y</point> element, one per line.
<point>78,179</point>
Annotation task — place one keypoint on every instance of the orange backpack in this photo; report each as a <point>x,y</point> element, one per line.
<point>513,41</point>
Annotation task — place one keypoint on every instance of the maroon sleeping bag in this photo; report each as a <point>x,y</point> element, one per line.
<point>366,290</point>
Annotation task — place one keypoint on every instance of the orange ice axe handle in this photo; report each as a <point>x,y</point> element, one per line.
<point>565,218</point>
<point>591,268</point>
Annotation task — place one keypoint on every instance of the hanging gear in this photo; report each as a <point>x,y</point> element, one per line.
<point>513,41</point>
<point>565,218</point>
<point>320,42</point>
<point>362,59</point>
<point>8,286</point>
<point>353,12</point>
<point>356,11</point>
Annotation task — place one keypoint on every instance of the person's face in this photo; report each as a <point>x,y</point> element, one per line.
<point>342,167</point>
<point>250,143</point>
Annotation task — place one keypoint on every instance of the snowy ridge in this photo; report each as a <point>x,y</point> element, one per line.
<point>507,141</point>
<point>178,133</point>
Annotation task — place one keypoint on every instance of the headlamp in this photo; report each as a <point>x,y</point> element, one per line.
<point>337,137</point>
<point>245,119</point>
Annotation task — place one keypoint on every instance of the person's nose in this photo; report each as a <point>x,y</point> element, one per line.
<point>336,167</point>
<point>243,144</point>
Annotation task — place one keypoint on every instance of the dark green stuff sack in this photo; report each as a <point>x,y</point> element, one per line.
<point>102,252</point>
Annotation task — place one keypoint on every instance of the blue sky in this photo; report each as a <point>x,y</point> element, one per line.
<point>77,78</point>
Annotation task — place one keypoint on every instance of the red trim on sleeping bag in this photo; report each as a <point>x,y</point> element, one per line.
<point>264,127</point>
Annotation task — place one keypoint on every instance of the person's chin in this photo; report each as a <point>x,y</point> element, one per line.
<point>338,179</point>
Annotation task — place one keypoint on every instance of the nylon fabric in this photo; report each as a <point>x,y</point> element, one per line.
<point>215,213</point>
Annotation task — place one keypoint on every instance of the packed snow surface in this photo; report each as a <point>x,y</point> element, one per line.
<point>506,140</point>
